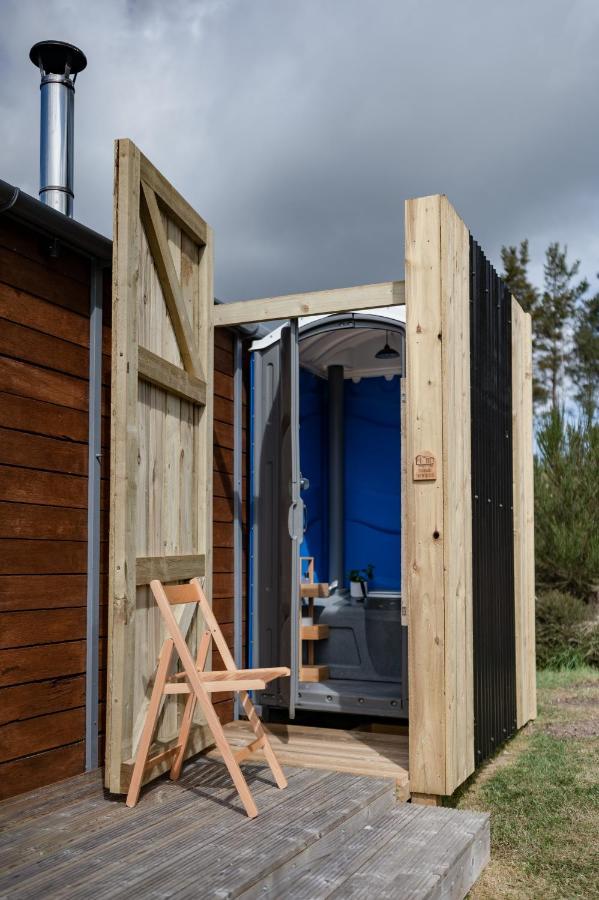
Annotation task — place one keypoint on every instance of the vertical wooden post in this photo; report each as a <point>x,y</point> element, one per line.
<point>524,566</point>
<point>123,446</point>
<point>438,499</point>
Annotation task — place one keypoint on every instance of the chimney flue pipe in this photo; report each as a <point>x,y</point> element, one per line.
<point>59,64</point>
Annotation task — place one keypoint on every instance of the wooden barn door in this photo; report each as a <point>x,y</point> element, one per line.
<point>161,450</point>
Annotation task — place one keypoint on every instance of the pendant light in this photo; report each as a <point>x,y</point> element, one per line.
<point>386,352</point>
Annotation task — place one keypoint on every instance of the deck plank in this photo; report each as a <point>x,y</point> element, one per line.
<point>89,848</point>
<point>358,752</point>
<point>328,834</point>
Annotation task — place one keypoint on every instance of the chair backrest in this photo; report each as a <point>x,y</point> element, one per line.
<point>172,595</point>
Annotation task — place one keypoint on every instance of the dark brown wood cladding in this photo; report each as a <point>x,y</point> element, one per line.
<point>44,346</point>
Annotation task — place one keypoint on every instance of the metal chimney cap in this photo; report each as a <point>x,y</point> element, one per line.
<point>57,58</point>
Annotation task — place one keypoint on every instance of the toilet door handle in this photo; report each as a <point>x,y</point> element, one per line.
<point>295,519</point>
<point>291,521</point>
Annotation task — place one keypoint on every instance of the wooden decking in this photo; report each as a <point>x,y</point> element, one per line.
<point>329,834</point>
<point>378,755</point>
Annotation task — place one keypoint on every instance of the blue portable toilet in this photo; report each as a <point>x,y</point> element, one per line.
<point>325,413</point>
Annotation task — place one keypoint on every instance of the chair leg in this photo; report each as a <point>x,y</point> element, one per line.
<point>150,723</point>
<point>259,731</point>
<point>186,723</point>
<point>228,758</point>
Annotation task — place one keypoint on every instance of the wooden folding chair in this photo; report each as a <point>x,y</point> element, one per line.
<point>199,685</point>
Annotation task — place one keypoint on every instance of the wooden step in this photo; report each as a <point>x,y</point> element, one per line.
<point>409,851</point>
<point>314,673</point>
<point>314,589</point>
<point>314,632</point>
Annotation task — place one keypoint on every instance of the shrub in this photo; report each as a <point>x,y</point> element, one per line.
<point>567,506</point>
<point>560,619</point>
<point>590,644</point>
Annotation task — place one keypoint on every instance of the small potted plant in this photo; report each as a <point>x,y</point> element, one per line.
<point>358,581</point>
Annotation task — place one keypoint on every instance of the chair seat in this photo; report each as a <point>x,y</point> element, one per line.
<point>266,674</point>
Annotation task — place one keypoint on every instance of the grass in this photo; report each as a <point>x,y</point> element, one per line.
<point>542,790</point>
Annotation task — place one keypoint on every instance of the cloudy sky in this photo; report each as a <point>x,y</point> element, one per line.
<point>297,128</point>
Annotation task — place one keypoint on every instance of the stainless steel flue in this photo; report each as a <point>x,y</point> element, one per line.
<point>59,64</point>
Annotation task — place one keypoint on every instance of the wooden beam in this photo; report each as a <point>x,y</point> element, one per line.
<point>152,222</point>
<point>169,377</point>
<point>457,498</point>
<point>179,210</point>
<point>168,568</point>
<point>424,499</point>
<point>123,449</point>
<point>314,589</point>
<point>438,562</point>
<point>523,475</point>
<point>314,632</point>
<point>292,306</point>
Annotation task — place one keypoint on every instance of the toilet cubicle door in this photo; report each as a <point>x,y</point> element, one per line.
<point>277,515</point>
<point>291,526</point>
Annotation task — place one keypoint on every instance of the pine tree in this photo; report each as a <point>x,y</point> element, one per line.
<point>515,275</point>
<point>553,315</point>
<point>567,505</point>
<point>583,367</point>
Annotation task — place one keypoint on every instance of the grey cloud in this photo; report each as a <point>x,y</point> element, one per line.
<point>297,129</point>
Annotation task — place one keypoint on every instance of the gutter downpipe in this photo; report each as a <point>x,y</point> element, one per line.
<point>237,511</point>
<point>94,464</point>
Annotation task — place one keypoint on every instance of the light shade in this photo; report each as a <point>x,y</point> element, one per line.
<point>386,352</point>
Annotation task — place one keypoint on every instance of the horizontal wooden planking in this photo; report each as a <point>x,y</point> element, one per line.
<point>222,584</point>
<point>224,339</point>
<point>26,242</point>
<point>21,485</point>
<point>222,533</point>
<point>42,626</point>
<point>28,345</point>
<point>223,385</point>
<point>223,559</point>
<point>27,664</point>
<point>223,484</point>
<point>42,417</point>
<point>20,557</point>
<point>34,278</point>
<point>18,592</point>
<point>30,521</point>
<point>224,436</point>
<point>223,360</point>
<point>41,769</point>
<point>223,509</point>
<point>223,609</point>
<point>22,701</point>
<point>41,733</point>
<point>37,383</point>
<point>24,309</point>
<point>34,451</point>
<point>223,410</point>
<point>223,460</point>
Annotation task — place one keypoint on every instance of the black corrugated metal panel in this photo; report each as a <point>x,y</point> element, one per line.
<point>492,507</point>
